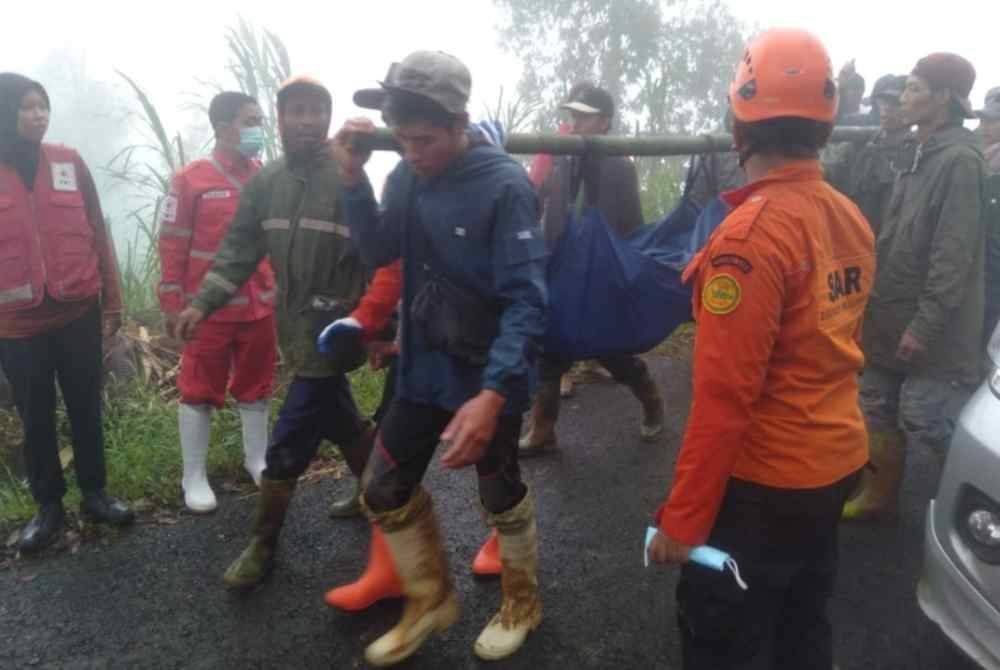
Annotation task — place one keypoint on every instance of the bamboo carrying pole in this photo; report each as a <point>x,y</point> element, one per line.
<point>610,145</point>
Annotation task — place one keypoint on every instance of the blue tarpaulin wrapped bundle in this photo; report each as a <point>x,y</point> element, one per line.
<point>609,295</point>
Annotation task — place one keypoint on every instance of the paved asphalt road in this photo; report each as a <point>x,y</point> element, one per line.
<point>153,598</point>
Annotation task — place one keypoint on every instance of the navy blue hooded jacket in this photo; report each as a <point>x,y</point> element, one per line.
<point>481,218</point>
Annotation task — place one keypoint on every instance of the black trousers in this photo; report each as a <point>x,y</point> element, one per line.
<point>624,368</point>
<point>388,391</point>
<point>785,542</point>
<point>314,409</point>
<point>72,355</point>
<point>407,438</point>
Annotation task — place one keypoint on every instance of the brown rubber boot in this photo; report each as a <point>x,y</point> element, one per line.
<point>878,497</point>
<point>257,560</point>
<point>541,435</point>
<point>521,610</point>
<point>414,540</point>
<point>648,394</point>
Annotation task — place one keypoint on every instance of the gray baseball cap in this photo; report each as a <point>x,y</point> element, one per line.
<point>431,74</point>
<point>991,106</point>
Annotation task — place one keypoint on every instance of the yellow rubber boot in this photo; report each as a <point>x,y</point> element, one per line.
<point>521,609</point>
<point>414,540</point>
<point>877,499</point>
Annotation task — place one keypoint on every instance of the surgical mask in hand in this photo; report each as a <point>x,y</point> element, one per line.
<point>709,557</point>
<point>251,141</point>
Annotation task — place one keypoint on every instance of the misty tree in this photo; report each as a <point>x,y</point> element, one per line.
<point>668,63</point>
<point>258,63</point>
<point>87,114</point>
<point>516,112</point>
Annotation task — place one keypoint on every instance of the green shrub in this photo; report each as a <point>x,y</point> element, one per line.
<point>142,448</point>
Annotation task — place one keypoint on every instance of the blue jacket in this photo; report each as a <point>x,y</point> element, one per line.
<point>481,219</point>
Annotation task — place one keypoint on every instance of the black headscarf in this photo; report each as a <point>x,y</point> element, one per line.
<point>19,153</point>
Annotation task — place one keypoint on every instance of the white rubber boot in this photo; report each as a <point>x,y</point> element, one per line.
<point>195,426</point>
<point>254,418</point>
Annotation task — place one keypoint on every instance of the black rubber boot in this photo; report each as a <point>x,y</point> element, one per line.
<point>102,508</point>
<point>43,528</point>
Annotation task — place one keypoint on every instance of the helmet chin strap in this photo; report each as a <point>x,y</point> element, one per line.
<point>745,153</point>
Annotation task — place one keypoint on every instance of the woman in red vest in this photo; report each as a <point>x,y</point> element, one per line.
<point>59,291</point>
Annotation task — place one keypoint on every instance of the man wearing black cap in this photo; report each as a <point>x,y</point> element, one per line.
<point>290,212</point>
<point>463,217</point>
<point>609,183</point>
<point>924,323</point>
<point>868,171</point>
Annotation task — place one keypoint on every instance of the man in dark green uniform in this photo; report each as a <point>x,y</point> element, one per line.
<point>291,213</point>
<point>924,323</point>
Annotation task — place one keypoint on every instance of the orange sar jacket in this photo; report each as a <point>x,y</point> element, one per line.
<point>779,294</point>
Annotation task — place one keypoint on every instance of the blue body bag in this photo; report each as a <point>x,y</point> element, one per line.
<point>609,295</point>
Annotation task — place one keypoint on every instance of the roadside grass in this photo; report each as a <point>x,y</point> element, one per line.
<point>142,449</point>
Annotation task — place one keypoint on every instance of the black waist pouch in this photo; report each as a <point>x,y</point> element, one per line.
<point>455,320</point>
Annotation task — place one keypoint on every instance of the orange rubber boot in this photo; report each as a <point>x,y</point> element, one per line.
<point>487,563</point>
<point>379,581</point>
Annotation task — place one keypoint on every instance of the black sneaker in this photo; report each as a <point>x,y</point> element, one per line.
<point>103,508</point>
<point>43,528</point>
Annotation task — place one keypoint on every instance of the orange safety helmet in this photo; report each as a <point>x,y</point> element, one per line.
<point>785,72</point>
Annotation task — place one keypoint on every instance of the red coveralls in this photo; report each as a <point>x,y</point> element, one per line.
<point>236,345</point>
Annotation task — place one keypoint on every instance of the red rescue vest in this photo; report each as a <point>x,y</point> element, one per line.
<point>47,243</point>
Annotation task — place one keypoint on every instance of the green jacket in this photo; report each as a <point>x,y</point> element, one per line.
<point>930,279</point>
<point>293,216</point>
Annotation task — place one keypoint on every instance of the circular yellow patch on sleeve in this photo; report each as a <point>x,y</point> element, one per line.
<point>722,294</point>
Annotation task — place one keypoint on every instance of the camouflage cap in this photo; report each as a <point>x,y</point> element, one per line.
<point>431,74</point>
<point>991,106</point>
